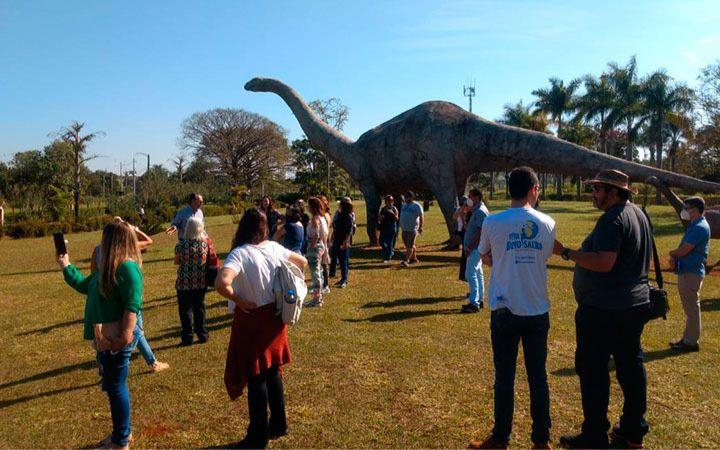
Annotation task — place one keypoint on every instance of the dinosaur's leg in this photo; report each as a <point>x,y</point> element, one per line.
<point>372,208</point>
<point>445,191</point>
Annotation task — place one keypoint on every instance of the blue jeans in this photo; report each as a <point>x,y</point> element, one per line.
<point>115,367</point>
<point>474,276</point>
<point>506,332</point>
<point>341,256</point>
<point>600,334</point>
<point>141,343</point>
<point>387,242</point>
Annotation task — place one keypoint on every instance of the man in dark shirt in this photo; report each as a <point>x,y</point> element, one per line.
<point>610,284</point>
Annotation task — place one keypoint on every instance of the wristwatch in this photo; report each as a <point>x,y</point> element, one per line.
<point>565,254</point>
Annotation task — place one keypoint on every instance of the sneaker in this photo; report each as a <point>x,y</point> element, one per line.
<point>106,442</point>
<point>386,261</point>
<point>618,439</point>
<point>414,261</point>
<point>405,264</point>
<point>489,442</point>
<point>158,366</point>
<point>277,434</point>
<point>469,308</point>
<point>326,290</point>
<point>580,441</point>
<point>681,346</point>
<point>343,285</point>
<point>313,302</point>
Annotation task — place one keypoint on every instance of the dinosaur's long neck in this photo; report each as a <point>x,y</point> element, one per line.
<point>671,197</point>
<point>510,146</point>
<point>321,135</point>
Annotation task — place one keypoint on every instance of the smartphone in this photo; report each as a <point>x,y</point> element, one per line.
<point>60,247</point>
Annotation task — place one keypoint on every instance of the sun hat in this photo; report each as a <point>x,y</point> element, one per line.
<point>614,178</point>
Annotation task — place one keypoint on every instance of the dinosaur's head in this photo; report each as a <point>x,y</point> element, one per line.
<point>256,85</point>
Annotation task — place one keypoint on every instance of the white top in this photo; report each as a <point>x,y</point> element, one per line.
<point>521,241</point>
<point>255,266</point>
<point>321,232</point>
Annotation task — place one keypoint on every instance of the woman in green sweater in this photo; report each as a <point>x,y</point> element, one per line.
<point>114,299</point>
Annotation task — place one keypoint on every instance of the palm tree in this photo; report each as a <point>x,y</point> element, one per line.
<point>557,101</point>
<point>596,104</point>
<point>661,99</point>
<point>71,135</point>
<point>679,125</point>
<point>628,100</point>
<point>519,115</point>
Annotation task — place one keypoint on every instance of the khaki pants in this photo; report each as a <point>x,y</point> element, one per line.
<point>689,285</point>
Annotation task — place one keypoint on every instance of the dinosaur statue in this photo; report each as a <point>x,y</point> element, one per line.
<point>712,213</point>
<point>437,145</point>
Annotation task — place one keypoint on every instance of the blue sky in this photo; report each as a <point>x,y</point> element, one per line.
<point>136,70</point>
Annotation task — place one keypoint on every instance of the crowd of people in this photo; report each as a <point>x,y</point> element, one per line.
<point>610,283</point>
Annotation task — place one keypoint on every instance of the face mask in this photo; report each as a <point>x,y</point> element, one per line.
<point>685,214</point>
<point>469,202</point>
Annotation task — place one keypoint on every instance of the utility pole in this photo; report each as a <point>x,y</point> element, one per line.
<point>134,179</point>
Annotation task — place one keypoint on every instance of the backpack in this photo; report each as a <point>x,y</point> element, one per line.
<point>289,289</point>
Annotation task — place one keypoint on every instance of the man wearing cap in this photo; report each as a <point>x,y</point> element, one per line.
<point>689,260</point>
<point>611,289</point>
<point>411,222</point>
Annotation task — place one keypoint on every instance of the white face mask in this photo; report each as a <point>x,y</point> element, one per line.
<point>685,214</point>
<point>469,202</point>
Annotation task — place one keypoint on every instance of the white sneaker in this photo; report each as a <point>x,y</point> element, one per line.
<point>326,290</point>
<point>386,261</point>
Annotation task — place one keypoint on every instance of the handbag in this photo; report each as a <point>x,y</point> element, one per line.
<point>659,305</point>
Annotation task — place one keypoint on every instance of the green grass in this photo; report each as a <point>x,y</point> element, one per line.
<point>387,362</point>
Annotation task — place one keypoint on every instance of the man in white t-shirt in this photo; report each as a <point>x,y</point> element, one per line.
<point>517,244</point>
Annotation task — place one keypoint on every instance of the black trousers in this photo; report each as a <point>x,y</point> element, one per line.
<point>191,308</point>
<point>601,334</point>
<point>506,332</point>
<point>463,257</point>
<point>266,389</point>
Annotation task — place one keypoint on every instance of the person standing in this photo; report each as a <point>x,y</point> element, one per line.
<point>140,342</point>
<point>461,216</point>
<point>291,234</point>
<point>114,299</point>
<point>258,345</point>
<point>326,259</point>
<point>689,261</point>
<point>317,236</point>
<point>387,225</point>
<point>195,202</point>
<point>612,292</point>
<point>342,239</point>
<point>473,267</point>
<point>272,214</point>
<point>411,222</point>
<point>517,244</point>
<point>191,258</point>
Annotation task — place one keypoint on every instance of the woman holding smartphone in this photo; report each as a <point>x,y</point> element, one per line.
<point>114,299</point>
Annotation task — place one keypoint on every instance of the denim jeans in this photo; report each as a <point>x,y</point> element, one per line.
<point>600,334</point>
<point>506,331</point>
<point>343,257</point>
<point>474,276</point>
<point>115,372</point>
<point>141,343</point>
<point>387,242</point>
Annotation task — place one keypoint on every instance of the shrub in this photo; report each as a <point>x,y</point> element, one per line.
<point>214,210</point>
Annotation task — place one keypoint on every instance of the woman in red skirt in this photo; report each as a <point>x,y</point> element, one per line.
<point>258,345</point>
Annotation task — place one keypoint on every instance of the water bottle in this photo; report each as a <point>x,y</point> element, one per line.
<point>290,296</point>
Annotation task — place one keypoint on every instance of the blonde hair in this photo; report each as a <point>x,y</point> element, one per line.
<point>194,230</point>
<point>119,244</point>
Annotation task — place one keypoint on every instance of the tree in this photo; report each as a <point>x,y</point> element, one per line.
<point>628,101</point>
<point>596,104</point>
<point>709,92</point>
<point>519,115</point>
<point>557,101</point>
<point>240,146</point>
<point>72,135</point>
<point>180,161</point>
<point>27,174</point>
<point>662,98</point>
